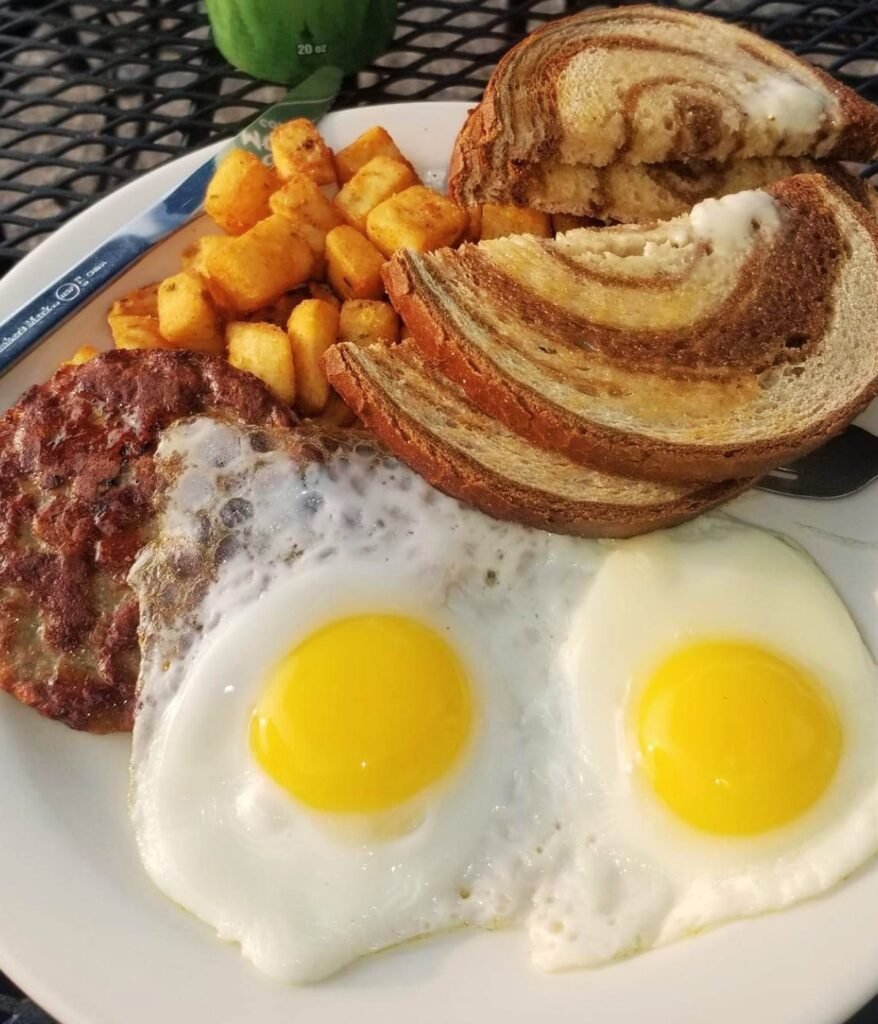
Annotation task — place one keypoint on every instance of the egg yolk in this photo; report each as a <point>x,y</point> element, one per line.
<point>735,739</point>
<point>363,714</point>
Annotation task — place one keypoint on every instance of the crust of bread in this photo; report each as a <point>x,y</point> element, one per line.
<point>451,471</point>
<point>593,444</point>
<point>858,139</point>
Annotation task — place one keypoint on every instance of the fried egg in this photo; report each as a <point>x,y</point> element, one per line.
<point>343,736</point>
<point>368,713</point>
<point>727,706</point>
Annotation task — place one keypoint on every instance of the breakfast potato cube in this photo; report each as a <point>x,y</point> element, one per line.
<point>195,260</point>
<point>136,331</point>
<point>297,148</point>
<point>312,328</point>
<point>194,257</point>
<point>308,209</point>
<point>562,222</point>
<point>499,221</point>
<point>187,315</point>
<point>373,142</point>
<point>278,312</point>
<point>134,320</point>
<point>367,322</point>
<point>336,413</point>
<point>321,291</point>
<point>353,264</point>
<point>238,193</point>
<point>417,218</point>
<point>82,355</point>
<point>142,302</point>
<point>379,179</point>
<point>263,350</point>
<point>474,224</point>
<point>255,268</point>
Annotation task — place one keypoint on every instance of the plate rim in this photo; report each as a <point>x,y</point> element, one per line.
<point>38,984</point>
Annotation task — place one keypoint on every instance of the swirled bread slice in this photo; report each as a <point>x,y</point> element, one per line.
<point>716,345</point>
<point>428,422</point>
<point>637,193</point>
<point>647,84</point>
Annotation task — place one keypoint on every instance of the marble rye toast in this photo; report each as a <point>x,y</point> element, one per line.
<point>714,346</point>
<point>647,85</point>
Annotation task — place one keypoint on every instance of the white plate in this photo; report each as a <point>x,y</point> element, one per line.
<point>85,933</point>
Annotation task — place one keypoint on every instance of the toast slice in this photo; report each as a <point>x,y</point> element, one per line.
<point>428,422</point>
<point>637,193</point>
<point>647,84</point>
<point>717,345</point>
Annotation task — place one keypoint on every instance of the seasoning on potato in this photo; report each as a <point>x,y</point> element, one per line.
<point>379,179</point>
<point>417,218</point>
<point>297,146</point>
<point>373,142</point>
<point>187,316</point>
<point>353,264</point>
<point>238,194</point>
<point>258,266</point>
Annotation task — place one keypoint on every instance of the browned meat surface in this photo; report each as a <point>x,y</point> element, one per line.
<point>76,495</point>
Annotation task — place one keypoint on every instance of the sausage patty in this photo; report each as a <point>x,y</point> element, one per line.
<point>77,483</point>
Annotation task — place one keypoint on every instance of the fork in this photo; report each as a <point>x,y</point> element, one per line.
<point>844,465</point>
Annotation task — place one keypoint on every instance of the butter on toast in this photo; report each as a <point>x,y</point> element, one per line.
<point>428,422</point>
<point>646,84</point>
<point>717,345</point>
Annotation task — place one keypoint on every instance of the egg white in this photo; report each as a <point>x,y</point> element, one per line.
<point>653,594</point>
<point>305,892</point>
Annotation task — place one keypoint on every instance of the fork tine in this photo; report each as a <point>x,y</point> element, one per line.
<point>844,465</point>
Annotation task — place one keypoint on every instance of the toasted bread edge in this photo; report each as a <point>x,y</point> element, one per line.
<point>451,472</point>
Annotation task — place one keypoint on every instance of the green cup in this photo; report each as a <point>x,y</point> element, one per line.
<point>286,40</point>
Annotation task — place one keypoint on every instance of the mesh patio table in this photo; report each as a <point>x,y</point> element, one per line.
<point>95,93</point>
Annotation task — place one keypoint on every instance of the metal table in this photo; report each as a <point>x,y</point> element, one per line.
<point>94,93</point>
